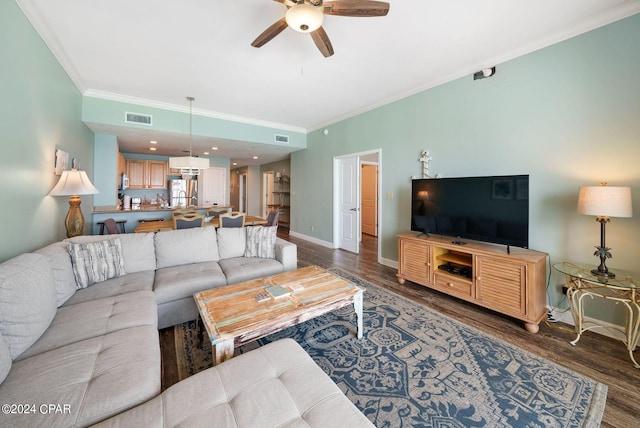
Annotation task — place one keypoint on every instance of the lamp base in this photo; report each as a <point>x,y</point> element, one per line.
<point>74,221</point>
<point>604,274</point>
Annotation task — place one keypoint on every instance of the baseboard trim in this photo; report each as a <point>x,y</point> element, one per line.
<point>311,239</point>
<point>564,316</point>
<point>388,262</point>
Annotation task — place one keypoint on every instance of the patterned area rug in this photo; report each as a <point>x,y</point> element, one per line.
<point>418,368</point>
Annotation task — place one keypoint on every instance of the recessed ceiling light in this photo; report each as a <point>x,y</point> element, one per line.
<point>205,153</point>
<point>214,148</point>
<point>153,142</point>
<point>255,157</point>
<point>153,149</point>
<point>235,163</point>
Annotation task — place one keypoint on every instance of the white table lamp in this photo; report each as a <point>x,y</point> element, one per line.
<point>74,183</point>
<point>604,202</point>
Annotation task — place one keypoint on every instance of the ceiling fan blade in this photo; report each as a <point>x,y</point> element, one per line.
<point>356,8</point>
<point>322,41</point>
<point>269,33</point>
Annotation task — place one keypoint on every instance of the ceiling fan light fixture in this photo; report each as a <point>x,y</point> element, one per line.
<point>304,18</point>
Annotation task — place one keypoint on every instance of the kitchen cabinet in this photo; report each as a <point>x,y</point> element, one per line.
<point>121,169</point>
<point>511,283</point>
<point>147,174</point>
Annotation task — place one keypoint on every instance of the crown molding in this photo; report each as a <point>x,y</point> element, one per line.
<point>584,26</point>
<point>51,40</point>
<point>185,109</point>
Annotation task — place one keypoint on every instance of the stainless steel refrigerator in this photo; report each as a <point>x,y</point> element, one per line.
<point>178,193</point>
<point>182,193</point>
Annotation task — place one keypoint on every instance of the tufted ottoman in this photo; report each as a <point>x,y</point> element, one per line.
<point>276,385</point>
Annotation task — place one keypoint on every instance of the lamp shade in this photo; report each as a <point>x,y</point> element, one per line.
<point>304,18</point>
<point>189,164</point>
<point>422,195</point>
<point>73,182</point>
<point>605,201</point>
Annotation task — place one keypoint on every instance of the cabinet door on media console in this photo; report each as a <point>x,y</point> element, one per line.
<point>502,285</point>
<point>414,262</point>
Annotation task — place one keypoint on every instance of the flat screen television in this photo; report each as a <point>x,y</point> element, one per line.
<point>490,209</point>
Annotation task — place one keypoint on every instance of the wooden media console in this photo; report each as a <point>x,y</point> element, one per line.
<point>511,283</point>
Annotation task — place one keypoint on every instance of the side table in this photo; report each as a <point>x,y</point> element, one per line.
<point>622,289</point>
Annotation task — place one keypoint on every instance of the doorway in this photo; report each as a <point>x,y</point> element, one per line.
<point>369,198</point>
<point>242,185</point>
<point>267,192</point>
<point>347,203</point>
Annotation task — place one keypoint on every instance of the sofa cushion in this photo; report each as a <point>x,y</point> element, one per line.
<point>177,282</point>
<point>112,287</point>
<point>60,260</point>
<point>232,242</point>
<point>95,318</point>
<point>138,249</point>
<point>96,261</point>
<point>276,385</point>
<point>186,246</point>
<point>27,300</point>
<point>5,359</point>
<point>244,268</point>
<point>96,378</point>
<point>261,241</point>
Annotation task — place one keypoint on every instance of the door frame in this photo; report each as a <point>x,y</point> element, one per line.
<point>242,192</point>
<point>266,175</point>
<point>337,196</point>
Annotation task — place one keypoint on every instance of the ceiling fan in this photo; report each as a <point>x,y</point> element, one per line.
<point>306,16</point>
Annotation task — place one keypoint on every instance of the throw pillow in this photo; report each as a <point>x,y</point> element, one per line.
<point>261,242</point>
<point>27,301</point>
<point>96,261</point>
<point>138,249</point>
<point>232,242</point>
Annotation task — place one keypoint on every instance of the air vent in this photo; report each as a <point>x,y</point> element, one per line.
<point>282,139</point>
<point>139,118</point>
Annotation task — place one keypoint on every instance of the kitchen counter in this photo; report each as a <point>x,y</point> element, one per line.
<point>151,208</point>
<point>138,216</point>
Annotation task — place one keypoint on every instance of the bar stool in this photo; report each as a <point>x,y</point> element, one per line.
<point>120,224</point>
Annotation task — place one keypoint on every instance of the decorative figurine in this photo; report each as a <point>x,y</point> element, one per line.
<point>425,157</point>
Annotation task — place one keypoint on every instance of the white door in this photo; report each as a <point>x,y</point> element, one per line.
<point>348,200</point>
<point>212,186</point>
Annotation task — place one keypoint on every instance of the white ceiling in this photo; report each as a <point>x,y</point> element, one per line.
<point>157,52</point>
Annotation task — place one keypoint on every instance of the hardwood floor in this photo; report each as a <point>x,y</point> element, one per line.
<point>598,357</point>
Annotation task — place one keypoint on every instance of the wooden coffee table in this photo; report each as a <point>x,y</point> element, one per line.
<point>233,317</point>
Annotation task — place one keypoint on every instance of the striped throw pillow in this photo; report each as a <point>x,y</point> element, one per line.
<point>261,242</point>
<point>96,261</point>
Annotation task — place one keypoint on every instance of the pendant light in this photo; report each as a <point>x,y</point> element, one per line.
<point>189,165</point>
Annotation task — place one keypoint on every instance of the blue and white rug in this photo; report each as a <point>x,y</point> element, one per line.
<point>418,368</point>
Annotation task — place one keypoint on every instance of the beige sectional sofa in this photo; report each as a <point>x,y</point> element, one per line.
<point>74,357</point>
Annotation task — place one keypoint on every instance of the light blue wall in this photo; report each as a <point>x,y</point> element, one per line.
<point>105,165</point>
<point>108,112</point>
<point>40,111</point>
<point>568,115</point>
